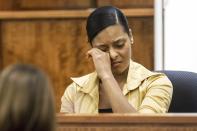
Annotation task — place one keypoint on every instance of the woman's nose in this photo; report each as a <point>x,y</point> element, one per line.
<point>113,54</point>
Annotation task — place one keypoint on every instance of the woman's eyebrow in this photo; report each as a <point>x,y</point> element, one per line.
<point>118,39</point>
<point>101,45</point>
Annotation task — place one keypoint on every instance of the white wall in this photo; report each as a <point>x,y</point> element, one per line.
<point>158,35</point>
<point>180,35</point>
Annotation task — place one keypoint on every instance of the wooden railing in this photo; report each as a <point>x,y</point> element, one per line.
<point>51,14</point>
<point>127,122</point>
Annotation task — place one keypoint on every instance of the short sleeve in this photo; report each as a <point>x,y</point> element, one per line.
<point>158,95</point>
<point>67,99</point>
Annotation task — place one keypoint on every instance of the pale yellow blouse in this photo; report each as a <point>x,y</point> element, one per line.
<point>146,91</point>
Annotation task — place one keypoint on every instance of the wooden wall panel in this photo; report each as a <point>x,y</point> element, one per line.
<point>6,4</point>
<point>45,4</point>
<point>56,4</point>
<point>59,46</point>
<point>49,45</point>
<point>71,4</point>
<point>143,47</point>
<point>127,3</point>
<point>1,49</point>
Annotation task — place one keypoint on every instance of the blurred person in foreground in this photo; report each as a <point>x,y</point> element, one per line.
<point>26,100</point>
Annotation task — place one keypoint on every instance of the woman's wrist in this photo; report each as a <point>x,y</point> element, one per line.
<point>106,76</point>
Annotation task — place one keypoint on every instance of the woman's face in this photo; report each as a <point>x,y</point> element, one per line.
<point>115,41</point>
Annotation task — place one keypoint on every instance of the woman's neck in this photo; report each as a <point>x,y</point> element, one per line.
<point>121,78</point>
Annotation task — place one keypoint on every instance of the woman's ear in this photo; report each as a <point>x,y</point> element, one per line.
<point>131,36</point>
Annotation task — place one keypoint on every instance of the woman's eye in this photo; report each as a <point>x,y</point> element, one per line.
<point>120,44</point>
<point>103,49</point>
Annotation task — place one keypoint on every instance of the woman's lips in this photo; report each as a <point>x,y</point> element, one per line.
<point>115,64</point>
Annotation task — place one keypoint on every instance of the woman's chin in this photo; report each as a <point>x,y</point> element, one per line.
<point>117,72</point>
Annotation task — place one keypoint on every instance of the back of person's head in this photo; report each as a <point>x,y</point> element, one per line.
<point>26,100</point>
<point>103,17</point>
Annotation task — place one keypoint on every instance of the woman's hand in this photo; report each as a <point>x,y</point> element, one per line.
<point>102,62</point>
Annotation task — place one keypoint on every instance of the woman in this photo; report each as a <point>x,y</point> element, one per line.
<point>119,84</point>
<point>26,100</point>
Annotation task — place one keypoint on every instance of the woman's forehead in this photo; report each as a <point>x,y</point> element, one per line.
<point>110,34</point>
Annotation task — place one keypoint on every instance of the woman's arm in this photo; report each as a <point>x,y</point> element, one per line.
<point>118,101</point>
<point>158,95</point>
<point>102,64</point>
<point>67,99</point>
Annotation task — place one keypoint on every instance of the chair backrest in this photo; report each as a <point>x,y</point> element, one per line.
<point>184,97</point>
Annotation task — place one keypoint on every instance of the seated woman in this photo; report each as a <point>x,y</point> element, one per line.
<point>26,100</point>
<point>118,84</point>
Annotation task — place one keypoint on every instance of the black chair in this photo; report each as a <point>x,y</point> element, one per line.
<point>184,99</point>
